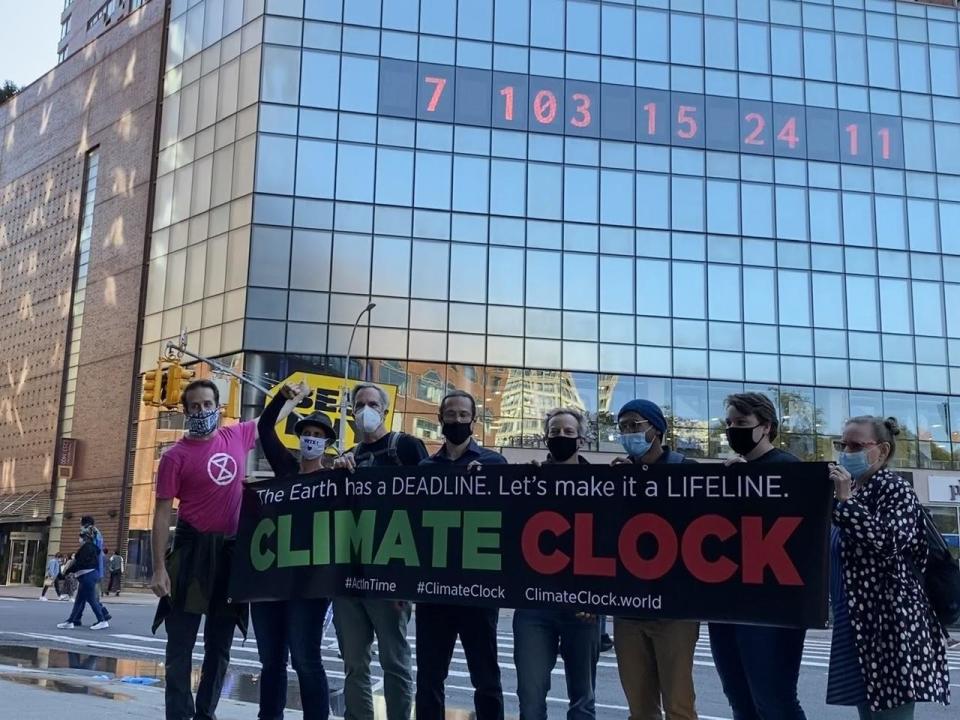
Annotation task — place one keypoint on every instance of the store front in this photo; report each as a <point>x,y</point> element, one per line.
<point>944,505</point>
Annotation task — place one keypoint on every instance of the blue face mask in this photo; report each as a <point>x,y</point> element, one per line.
<point>636,444</point>
<point>854,463</point>
<point>203,424</point>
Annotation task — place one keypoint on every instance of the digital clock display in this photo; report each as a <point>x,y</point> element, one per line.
<point>635,114</point>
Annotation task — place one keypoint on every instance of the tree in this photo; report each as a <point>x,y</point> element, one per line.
<point>8,90</point>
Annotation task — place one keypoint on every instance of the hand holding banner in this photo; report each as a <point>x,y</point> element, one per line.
<point>746,543</point>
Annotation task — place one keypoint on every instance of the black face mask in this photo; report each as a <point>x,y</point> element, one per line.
<point>741,439</point>
<point>562,448</point>
<point>457,432</point>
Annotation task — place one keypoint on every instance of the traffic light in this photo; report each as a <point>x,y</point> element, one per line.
<point>178,377</point>
<point>153,386</point>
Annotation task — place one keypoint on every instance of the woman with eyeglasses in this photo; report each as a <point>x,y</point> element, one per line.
<point>889,648</point>
<point>538,635</point>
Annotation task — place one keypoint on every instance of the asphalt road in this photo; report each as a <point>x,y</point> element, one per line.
<point>128,648</point>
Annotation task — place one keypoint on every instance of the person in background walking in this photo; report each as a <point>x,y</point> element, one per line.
<point>115,566</point>
<point>759,666</point>
<point>654,657</point>
<point>438,625</point>
<point>889,648</point>
<point>290,627</point>
<point>84,568</point>
<point>539,634</point>
<point>51,577</point>
<point>356,620</point>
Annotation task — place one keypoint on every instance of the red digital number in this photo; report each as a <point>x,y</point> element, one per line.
<point>754,137</point>
<point>854,132</point>
<point>884,134</point>
<point>545,107</point>
<point>788,133</point>
<point>439,84</point>
<point>582,110</point>
<point>651,110</point>
<point>685,118</point>
<point>507,93</point>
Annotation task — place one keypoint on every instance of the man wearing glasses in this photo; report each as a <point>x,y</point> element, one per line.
<point>439,625</point>
<point>654,657</point>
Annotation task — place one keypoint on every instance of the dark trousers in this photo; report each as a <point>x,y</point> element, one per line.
<point>114,584</point>
<point>437,629</point>
<point>57,590</point>
<point>86,593</point>
<point>295,626</point>
<point>759,668</point>
<point>182,630</point>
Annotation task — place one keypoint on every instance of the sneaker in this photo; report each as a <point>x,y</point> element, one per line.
<point>63,597</point>
<point>102,625</point>
<point>68,625</point>
<point>43,598</point>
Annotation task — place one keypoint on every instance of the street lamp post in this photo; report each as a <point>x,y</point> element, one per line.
<point>344,391</point>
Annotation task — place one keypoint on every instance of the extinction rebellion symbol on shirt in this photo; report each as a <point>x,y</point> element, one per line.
<point>222,468</point>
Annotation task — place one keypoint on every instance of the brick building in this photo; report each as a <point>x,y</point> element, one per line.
<point>75,170</point>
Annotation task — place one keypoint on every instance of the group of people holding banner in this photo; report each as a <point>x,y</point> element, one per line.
<point>889,644</point>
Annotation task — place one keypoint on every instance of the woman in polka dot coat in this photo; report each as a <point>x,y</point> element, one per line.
<point>889,648</point>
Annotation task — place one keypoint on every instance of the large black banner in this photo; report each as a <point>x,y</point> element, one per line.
<point>746,543</point>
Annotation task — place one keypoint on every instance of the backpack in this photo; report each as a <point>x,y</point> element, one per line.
<point>365,458</point>
<point>941,580</point>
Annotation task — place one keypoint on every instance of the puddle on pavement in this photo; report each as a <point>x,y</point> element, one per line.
<point>239,684</point>
<point>64,686</point>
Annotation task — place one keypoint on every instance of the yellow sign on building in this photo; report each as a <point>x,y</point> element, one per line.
<point>324,397</point>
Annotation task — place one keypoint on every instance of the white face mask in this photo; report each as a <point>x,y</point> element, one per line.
<point>368,420</point>
<point>312,447</point>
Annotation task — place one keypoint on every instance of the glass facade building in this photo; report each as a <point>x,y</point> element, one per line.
<point>576,202</point>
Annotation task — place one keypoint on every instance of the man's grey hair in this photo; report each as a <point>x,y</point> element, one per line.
<point>583,423</point>
<point>384,398</point>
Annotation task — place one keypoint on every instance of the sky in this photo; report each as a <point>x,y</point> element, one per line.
<point>29,32</point>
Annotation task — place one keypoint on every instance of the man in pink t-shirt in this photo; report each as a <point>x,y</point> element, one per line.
<point>205,471</point>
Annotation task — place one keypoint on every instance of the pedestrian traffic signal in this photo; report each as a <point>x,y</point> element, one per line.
<point>178,377</point>
<point>154,385</point>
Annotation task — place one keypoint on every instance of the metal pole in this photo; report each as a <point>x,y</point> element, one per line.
<point>344,391</point>
<point>219,367</point>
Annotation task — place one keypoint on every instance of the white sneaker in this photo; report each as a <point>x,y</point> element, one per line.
<point>67,626</point>
<point>43,598</point>
<point>63,597</point>
<point>102,625</point>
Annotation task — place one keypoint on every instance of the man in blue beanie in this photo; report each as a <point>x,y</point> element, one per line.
<point>654,657</point>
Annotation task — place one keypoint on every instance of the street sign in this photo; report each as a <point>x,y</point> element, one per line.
<point>324,397</point>
<point>66,452</point>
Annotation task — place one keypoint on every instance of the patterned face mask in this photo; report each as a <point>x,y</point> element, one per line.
<point>202,424</point>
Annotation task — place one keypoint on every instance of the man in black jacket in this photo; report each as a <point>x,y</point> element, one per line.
<point>84,568</point>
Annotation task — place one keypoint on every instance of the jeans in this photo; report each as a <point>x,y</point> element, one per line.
<point>86,593</point>
<point>538,635</point>
<point>437,630</point>
<point>57,589</point>
<point>759,668</point>
<point>356,620</point>
<point>655,661</point>
<point>904,712</point>
<point>114,584</point>
<point>293,626</point>
<point>182,630</point>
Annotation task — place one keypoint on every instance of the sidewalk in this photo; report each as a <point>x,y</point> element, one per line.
<point>128,597</point>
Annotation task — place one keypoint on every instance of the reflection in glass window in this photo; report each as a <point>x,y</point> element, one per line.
<point>794,298</point>
<point>400,14</point>
<point>861,303</point>
<point>895,305</point>
<point>653,35</point>
<point>653,201</point>
<point>756,207</point>
<point>281,75</point>
<point>616,197</point>
<point>394,177</point>
<point>918,145</point>
<point>791,213</point>
<point>927,308</point>
<point>432,181</point>
<point>429,270</point>
<point>321,79</point>
<point>506,276</point>
<point>857,219</point>
<point>891,222</point>
<point>688,213</point>
<point>512,21</point>
<point>688,290</point>
<point>617,31</point>
<point>475,19</point>
<point>507,187</point>
<point>543,279</point>
<point>914,72</point>
<point>922,216</point>
<point>358,88</point>
<point>470,183</point>
<point>943,68</point>
<point>580,194</point>
<point>355,172</point>
<point>468,281</point>
<point>391,266</point>
<point>828,300</point>
<point>579,281</point>
<point>758,296</point>
<point>787,52</point>
<point>616,281</point>
<point>438,17</point>
<point>686,39</point>
<point>583,27</point>
<point>948,147</point>
<point>276,158</point>
<point>724,291</point>
<point>653,287</point>
<point>882,57</point>
<point>546,23</point>
<point>723,201</point>
<point>818,55</point>
<point>349,253</point>
<point>853,69</point>
<point>545,187</point>
<point>721,43</point>
<point>754,48</point>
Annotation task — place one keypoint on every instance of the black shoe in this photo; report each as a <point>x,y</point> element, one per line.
<point>606,642</point>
